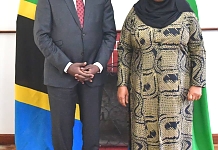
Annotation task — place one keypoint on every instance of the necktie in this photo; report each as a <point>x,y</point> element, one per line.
<point>80,11</point>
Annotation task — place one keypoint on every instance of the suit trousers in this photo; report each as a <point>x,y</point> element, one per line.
<point>62,107</point>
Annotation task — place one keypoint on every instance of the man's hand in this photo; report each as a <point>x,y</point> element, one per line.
<point>90,69</point>
<point>123,95</point>
<point>76,71</point>
<point>194,93</point>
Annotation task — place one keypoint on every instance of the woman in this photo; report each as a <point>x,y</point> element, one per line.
<point>161,72</point>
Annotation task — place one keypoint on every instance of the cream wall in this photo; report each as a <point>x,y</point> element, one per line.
<point>7,61</point>
<point>8,14</point>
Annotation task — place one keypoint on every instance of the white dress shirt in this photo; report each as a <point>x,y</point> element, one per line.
<point>75,2</point>
<point>96,63</point>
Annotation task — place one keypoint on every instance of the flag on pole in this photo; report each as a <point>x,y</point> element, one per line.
<point>202,136</point>
<point>202,139</point>
<point>32,112</point>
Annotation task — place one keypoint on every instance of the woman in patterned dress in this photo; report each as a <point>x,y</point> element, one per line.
<point>161,72</point>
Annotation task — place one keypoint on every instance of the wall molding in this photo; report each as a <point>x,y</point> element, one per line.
<point>209,29</point>
<point>8,139</point>
<point>7,31</point>
<point>215,138</point>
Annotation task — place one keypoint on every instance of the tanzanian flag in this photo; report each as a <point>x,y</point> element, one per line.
<point>202,136</point>
<point>32,115</point>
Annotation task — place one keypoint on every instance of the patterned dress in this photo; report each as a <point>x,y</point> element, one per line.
<point>159,66</point>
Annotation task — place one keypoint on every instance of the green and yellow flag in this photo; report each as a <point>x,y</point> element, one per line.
<point>32,115</point>
<point>202,136</point>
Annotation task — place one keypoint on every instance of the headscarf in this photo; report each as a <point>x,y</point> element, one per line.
<point>160,14</point>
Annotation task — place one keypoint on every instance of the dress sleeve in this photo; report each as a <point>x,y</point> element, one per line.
<point>125,52</point>
<point>197,53</point>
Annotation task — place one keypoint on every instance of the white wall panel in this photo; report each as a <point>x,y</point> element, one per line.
<point>7,75</point>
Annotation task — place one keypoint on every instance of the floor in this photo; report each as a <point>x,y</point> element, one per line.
<point>12,147</point>
<point>7,147</point>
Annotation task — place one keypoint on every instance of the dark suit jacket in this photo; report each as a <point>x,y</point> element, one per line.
<point>58,35</point>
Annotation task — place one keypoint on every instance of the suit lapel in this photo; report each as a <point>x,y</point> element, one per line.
<point>72,8</point>
<point>88,8</point>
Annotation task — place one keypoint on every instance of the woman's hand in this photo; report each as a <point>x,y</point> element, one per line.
<point>123,95</point>
<point>194,93</point>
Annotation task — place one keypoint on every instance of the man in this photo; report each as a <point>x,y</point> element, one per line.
<point>77,44</point>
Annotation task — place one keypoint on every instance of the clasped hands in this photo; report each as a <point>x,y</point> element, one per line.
<point>83,72</point>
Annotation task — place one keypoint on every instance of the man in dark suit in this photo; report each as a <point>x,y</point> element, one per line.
<point>76,49</point>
